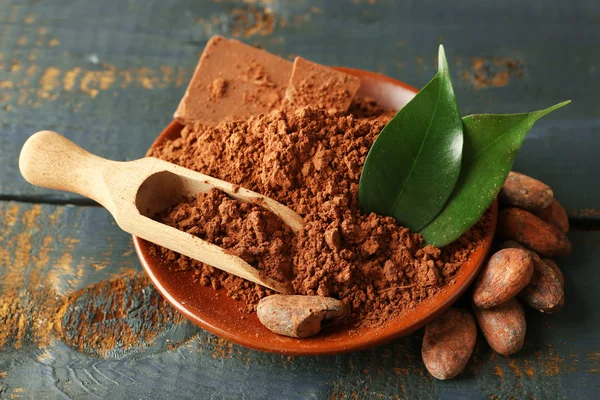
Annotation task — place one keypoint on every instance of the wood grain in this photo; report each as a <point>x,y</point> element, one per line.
<point>109,74</point>
<point>98,328</point>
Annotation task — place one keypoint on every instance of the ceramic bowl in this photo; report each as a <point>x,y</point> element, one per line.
<point>214,311</point>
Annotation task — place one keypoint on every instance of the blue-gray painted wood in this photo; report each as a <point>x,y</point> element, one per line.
<point>54,259</point>
<point>561,357</point>
<point>555,42</point>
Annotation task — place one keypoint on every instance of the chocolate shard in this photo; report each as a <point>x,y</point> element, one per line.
<point>318,86</point>
<point>233,80</point>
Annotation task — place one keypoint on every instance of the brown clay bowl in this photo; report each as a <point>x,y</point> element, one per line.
<point>214,311</point>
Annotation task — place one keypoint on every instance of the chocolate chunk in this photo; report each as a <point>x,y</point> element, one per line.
<point>319,87</point>
<point>233,81</point>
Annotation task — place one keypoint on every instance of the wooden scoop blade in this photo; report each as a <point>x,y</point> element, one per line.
<point>133,192</point>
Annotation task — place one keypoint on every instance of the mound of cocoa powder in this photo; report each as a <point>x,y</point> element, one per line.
<point>310,160</point>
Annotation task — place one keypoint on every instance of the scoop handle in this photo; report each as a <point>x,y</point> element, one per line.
<point>52,161</point>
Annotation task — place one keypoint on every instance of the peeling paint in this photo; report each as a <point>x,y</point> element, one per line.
<point>498,371</point>
<point>495,72</point>
<point>586,212</point>
<point>252,21</point>
<point>49,82</point>
<point>53,80</point>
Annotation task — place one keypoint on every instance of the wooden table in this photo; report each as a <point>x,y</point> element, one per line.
<point>78,318</point>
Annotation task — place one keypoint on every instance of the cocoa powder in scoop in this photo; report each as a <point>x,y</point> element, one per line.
<point>246,230</point>
<point>310,160</point>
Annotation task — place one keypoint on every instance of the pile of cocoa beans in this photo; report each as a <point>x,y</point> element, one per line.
<point>533,225</point>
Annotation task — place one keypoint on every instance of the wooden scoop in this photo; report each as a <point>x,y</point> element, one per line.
<point>135,191</point>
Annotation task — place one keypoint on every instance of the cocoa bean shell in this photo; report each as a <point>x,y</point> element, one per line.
<point>545,291</point>
<point>556,215</point>
<point>297,316</point>
<point>552,264</point>
<point>503,326</point>
<point>506,273</point>
<point>533,233</point>
<point>525,192</point>
<point>448,343</point>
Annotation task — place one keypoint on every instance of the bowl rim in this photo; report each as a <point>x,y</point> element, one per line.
<point>320,344</point>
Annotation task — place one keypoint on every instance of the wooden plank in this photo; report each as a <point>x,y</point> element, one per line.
<point>110,76</point>
<point>79,320</point>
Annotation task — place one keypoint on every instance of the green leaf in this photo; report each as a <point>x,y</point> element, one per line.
<point>415,161</point>
<point>491,145</point>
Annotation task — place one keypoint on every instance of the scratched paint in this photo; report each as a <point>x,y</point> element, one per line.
<point>20,251</point>
<point>220,348</point>
<point>42,83</point>
<point>354,375</point>
<point>495,72</point>
<point>54,80</point>
<point>115,316</point>
<point>241,22</point>
<point>8,215</point>
<point>552,363</point>
<point>106,319</point>
<point>252,21</point>
<point>42,269</point>
<point>27,317</point>
<point>586,212</point>
<point>515,368</point>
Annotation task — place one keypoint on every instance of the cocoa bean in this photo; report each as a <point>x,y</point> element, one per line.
<point>503,326</point>
<point>448,343</point>
<point>552,264</point>
<point>533,233</point>
<point>544,291</point>
<point>297,316</point>
<point>506,273</point>
<point>556,215</point>
<point>522,191</point>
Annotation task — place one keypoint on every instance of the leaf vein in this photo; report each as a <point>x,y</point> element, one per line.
<point>490,145</point>
<point>437,100</point>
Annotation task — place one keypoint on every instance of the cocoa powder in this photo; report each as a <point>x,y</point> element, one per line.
<point>310,160</point>
<point>246,230</point>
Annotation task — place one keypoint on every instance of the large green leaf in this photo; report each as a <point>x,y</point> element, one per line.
<point>415,161</point>
<point>491,145</point>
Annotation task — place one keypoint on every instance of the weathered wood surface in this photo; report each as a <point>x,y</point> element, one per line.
<point>78,319</point>
<point>110,75</point>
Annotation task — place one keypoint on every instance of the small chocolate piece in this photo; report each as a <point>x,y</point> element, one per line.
<point>318,86</point>
<point>297,316</point>
<point>233,81</point>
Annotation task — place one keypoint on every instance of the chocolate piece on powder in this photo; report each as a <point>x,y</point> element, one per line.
<point>232,81</point>
<point>320,87</point>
